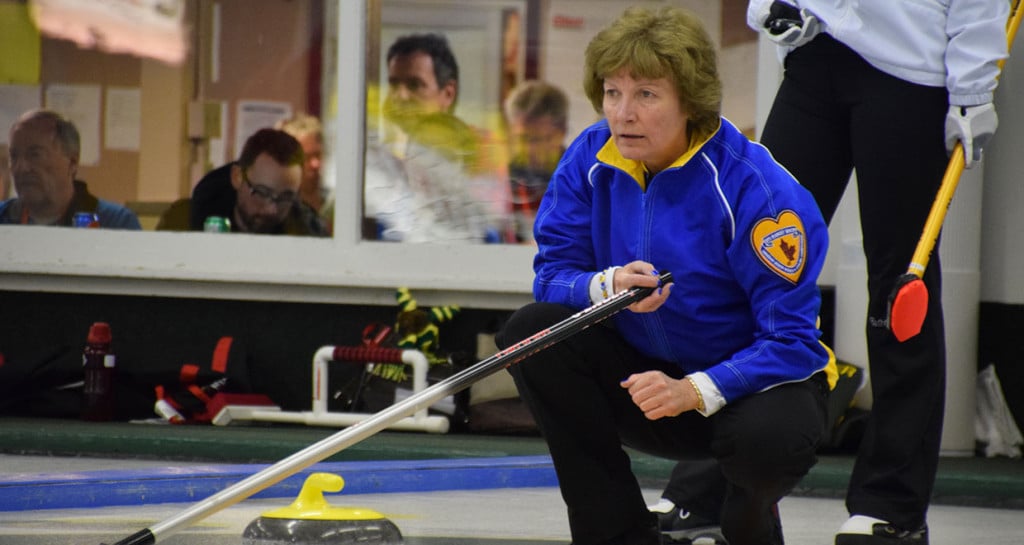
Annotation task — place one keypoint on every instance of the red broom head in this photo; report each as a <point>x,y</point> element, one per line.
<point>908,307</point>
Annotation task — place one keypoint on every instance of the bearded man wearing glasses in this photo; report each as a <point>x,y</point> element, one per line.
<point>258,193</point>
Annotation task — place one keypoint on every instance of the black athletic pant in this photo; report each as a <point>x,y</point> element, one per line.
<point>835,113</point>
<point>765,443</point>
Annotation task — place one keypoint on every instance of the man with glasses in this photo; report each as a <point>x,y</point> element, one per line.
<point>258,193</point>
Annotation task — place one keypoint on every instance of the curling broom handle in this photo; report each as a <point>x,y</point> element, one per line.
<point>380,420</point>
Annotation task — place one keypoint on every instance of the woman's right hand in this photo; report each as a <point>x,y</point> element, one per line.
<point>641,274</point>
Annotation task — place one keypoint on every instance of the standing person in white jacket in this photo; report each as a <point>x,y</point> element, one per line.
<point>885,88</point>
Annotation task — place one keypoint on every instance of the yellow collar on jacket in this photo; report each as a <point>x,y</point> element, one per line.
<point>610,155</point>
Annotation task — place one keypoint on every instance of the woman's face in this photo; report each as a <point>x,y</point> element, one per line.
<point>646,119</point>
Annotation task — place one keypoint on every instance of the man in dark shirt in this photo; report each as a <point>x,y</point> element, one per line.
<point>258,193</point>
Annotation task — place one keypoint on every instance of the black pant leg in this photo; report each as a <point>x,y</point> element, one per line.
<point>765,444</point>
<point>808,127</point>
<point>833,110</point>
<point>573,391</point>
<point>900,156</point>
<point>697,486</point>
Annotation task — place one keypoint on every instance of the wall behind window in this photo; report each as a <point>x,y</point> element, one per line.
<point>115,175</point>
<point>272,53</point>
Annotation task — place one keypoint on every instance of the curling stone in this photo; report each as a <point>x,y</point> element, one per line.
<point>310,520</point>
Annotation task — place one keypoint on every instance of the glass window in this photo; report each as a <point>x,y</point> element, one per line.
<point>469,107</point>
<point>152,125</point>
<point>464,174</point>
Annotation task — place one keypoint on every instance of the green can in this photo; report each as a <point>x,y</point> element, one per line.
<point>217,224</point>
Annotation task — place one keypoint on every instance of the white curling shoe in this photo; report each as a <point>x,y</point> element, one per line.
<point>864,530</point>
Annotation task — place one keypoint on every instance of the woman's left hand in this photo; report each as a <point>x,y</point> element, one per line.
<point>659,395</point>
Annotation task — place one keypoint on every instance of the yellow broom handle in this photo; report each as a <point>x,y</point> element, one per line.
<point>938,213</point>
<point>919,262</point>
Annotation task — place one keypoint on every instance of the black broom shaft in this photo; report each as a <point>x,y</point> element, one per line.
<point>353,434</point>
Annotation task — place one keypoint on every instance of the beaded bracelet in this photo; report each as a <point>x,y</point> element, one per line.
<point>700,396</point>
<point>604,287</point>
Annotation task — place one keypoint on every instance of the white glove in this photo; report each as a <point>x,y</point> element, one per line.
<point>973,126</point>
<point>787,25</point>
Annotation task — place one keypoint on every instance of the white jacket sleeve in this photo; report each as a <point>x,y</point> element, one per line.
<point>976,30</point>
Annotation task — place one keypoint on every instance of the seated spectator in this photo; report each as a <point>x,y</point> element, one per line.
<point>451,186</point>
<point>259,193</point>
<point>536,113</point>
<point>307,130</point>
<point>44,153</point>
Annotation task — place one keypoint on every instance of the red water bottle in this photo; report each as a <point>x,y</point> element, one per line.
<point>99,366</point>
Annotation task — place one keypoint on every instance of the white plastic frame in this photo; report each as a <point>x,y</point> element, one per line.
<point>321,416</point>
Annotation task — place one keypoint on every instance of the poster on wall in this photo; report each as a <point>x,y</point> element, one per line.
<point>122,118</point>
<point>81,105</point>
<point>253,115</point>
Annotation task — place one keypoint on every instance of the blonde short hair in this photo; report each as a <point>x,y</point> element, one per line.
<point>667,43</point>
<point>300,125</point>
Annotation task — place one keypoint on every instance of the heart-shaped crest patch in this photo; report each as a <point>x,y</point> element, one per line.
<point>781,245</point>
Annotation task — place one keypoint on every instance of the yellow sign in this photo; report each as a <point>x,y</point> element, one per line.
<point>20,42</point>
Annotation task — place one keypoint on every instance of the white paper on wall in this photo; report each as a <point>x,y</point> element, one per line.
<point>122,118</point>
<point>81,105</point>
<point>254,115</point>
